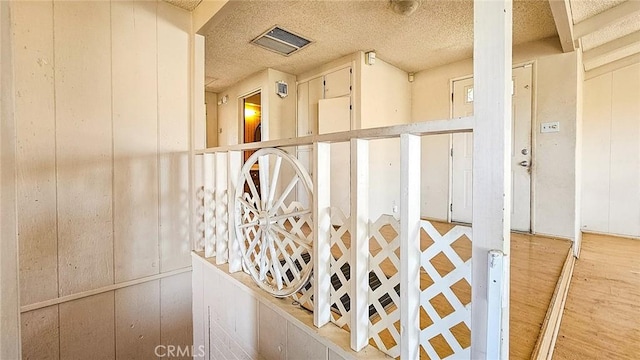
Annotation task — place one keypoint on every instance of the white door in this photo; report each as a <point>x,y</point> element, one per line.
<point>309,94</point>
<point>462,151</point>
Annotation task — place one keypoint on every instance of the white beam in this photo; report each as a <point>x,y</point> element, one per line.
<point>209,187</point>
<point>322,234</point>
<point>491,164</point>
<point>410,246</point>
<point>605,18</point>
<point>234,162</point>
<point>618,64</point>
<point>204,12</point>
<point>221,208</point>
<point>359,244</point>
<point>617,45</point>
<point>561,10</point>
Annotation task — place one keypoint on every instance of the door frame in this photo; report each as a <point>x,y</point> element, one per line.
<point>264,121</point>
<point>534,116</point>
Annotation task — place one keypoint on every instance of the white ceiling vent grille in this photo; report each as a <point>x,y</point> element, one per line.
<point>282,41</point>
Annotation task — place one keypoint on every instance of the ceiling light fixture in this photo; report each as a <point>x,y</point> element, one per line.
<point>281,41</point>
<point>405,7</point>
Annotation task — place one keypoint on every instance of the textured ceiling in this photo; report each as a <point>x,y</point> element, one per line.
<point>439,32</point>
<point>188,5</point>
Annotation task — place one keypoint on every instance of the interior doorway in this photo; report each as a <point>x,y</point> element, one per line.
<point>252,120</point>
<point>521,149</point>
<point>252,130</point>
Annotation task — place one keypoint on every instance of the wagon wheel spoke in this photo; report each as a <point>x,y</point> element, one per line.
<point>295,238</point>
<point>277,218</point>
<point>248,206</point>
<point>249,224</point>
<point>274,182</point>
<point>253,244</point>
<point>252,188</point>
<point>275,263</point>
<point>282,247</point>
<point>263,172</point>
<point>284,195</point>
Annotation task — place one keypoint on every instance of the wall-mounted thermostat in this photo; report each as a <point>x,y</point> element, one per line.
<point>282,89</point>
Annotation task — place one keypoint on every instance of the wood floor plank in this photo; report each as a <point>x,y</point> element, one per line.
<point>602,311</point>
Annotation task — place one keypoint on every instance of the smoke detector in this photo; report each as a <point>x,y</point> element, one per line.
<point>281,41</point>
<point>405,7</point>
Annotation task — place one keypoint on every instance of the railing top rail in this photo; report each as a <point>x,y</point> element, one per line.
<point>422,128</point>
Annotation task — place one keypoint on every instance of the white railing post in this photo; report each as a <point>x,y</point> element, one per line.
<point>221,208</point>
<point>198,203</point>
<point>208,171</point>
<point>491,171</point>
<point>495,292</point>
<point>322,234</point>
<point>234,160</point>
<point>409,246</point>
<point>359,244</point>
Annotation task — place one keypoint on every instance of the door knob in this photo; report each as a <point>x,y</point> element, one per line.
<point>524,163</point>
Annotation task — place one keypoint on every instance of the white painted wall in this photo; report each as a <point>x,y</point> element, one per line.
<point>381,96</point>
<point>611,152</point>
<point>385,100</point>
<point>555,99</point>
<point>279,114</point>
<point>9,305</point>
<point>235,319</point>
<point>103,106</point>
<point>282,111</point>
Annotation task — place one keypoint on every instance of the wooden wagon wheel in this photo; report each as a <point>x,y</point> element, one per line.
<point>272,229</point>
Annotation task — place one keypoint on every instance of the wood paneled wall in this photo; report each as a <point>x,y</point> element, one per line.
<point>102,110</point>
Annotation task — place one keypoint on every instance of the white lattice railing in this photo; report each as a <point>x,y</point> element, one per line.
<point>372,277</point>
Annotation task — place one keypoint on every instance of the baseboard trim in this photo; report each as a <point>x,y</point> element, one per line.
<point>545,344</point>
<point>591,232</point>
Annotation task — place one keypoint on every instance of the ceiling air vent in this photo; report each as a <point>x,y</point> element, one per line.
<point>282,41</point>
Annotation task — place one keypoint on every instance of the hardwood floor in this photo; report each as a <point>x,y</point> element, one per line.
<point>536,264</point>
<point>602,314</point>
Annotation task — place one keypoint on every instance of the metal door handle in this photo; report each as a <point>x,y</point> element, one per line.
<point>524,163</point>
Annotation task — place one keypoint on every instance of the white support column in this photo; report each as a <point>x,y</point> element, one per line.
<point>491,168</point>
<point>209,187</point>
<point>359,260</point>
<point>322,234</point>
<point>409,246</point>
<point>221,208</point>
<point>197,226</point>
<point>234,161</point>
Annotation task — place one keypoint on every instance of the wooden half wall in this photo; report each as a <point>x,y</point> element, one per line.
<point>103,106</point>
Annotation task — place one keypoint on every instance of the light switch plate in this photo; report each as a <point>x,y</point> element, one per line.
<point>550,127</point>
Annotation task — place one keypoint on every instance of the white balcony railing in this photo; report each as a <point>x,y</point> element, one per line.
<point>401,282</point>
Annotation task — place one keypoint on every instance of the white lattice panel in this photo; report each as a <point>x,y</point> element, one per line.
<point>384,284</point>
<point>302,227</point>
<point>445,277</point>
<point>340,254</point>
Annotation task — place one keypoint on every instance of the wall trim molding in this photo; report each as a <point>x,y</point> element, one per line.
<point>100,290</point>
